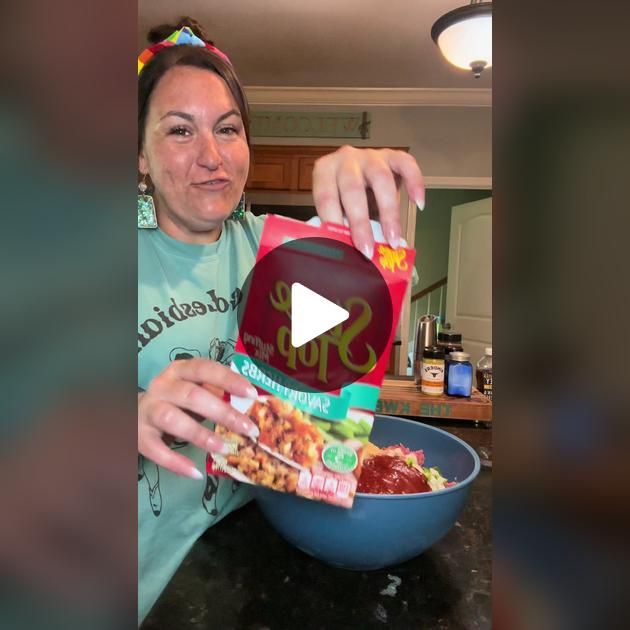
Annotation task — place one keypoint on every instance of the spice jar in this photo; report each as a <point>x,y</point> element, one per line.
<point>460,374</point>
<point>432,371</point>
<point>450,341</point>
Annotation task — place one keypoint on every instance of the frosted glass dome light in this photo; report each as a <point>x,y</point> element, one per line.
<point>464,36</point>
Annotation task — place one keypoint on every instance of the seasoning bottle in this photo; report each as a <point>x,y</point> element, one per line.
<point>450,341</point>
<point>432,371</point>
<point>484,374</point>
<point>460,374</point>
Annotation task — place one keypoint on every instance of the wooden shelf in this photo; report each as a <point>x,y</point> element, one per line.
<point>401,397</point>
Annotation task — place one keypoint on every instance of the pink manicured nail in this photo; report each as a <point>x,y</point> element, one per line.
<point>195,474</point>
<point>393,239</point>
<point>250,429</point>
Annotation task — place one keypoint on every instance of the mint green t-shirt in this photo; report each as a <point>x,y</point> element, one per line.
<point>187,300</point>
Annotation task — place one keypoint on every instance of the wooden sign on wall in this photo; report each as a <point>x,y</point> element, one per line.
<point>310,124</point>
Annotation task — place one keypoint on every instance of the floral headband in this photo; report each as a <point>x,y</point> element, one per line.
<point>182,36</point>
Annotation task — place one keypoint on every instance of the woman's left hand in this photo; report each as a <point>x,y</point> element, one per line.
<point>343,180</point>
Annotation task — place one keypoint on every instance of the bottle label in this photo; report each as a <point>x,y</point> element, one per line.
<point>487,384</point>
<point>433,376</point>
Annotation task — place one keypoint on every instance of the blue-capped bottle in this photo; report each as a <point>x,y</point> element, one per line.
<point>460,374</point>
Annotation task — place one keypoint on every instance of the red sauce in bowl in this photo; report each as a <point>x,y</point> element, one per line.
<point>384,474</point>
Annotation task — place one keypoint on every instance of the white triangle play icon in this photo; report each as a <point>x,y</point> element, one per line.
<point>312,314</point>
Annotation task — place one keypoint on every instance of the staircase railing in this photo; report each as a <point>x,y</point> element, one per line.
<point>431,299</point>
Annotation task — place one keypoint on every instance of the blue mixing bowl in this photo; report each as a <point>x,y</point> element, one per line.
<point>380,530</point>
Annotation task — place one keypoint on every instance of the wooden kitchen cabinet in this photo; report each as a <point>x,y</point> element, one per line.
<point>286,167</point>
<point>271,172</point>
<point>305,173</point>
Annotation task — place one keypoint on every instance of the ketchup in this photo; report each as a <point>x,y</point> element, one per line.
<point>384,474</point>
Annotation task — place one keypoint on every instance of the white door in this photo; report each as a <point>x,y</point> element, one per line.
<point>469,290</point>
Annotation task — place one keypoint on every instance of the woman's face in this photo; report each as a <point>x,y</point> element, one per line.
<point>195,151</point>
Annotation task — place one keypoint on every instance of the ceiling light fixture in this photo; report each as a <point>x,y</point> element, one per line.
<point>464,36</point>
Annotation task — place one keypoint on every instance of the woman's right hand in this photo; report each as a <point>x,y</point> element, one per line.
<point>182,390</point>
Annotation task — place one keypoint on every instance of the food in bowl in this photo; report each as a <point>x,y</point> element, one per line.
<point>398,470</point>
<point>381,529</point>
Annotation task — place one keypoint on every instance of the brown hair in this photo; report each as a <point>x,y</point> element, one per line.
<point>184,55</point>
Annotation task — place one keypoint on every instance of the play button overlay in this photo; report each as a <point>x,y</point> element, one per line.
<point>312,314</point>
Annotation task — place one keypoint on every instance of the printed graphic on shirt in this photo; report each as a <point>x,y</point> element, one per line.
<point>175,312</point>
<point>150,472</point>
<point>221,351</point>
<point>211,491</point>
<point>177,354</point>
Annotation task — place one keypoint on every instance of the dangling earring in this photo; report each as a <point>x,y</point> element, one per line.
<point>146,208</point>
<point>239,212</point>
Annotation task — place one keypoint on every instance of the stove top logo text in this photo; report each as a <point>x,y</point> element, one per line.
<point>316,352</point>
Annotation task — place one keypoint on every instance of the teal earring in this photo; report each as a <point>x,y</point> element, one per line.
<point>239,212</point>
<point>146,208</point>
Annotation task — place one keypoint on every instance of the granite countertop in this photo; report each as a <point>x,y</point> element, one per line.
<point>242,575</point>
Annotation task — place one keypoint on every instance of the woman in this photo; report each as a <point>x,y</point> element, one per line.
<point>194,147</point>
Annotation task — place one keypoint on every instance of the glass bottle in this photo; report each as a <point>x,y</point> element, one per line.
<point>484,374</point>
<point>432,382</point>
<point>450,341</point>
<point>460,374</point>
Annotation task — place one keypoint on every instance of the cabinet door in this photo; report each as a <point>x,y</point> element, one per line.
<point>270,173</point>
<point>286,167</point>
<point>305,173</point>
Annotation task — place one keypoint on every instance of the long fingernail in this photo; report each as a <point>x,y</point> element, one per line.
<point>367,250</point>
<point>251,392</point>
<point>249,428</point>
<point>193,473</point>
<point>420,204</point>
<point>392,238</point>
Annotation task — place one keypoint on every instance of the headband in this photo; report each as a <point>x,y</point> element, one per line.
<point>184,36</point>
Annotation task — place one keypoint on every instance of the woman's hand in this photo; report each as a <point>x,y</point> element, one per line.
<point>187,388</point>
<point>343,179</point>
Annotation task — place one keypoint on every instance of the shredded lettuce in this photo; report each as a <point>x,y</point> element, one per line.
<point>435,479</point>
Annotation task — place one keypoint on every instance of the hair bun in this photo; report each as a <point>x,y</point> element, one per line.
<point>161,32</point>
